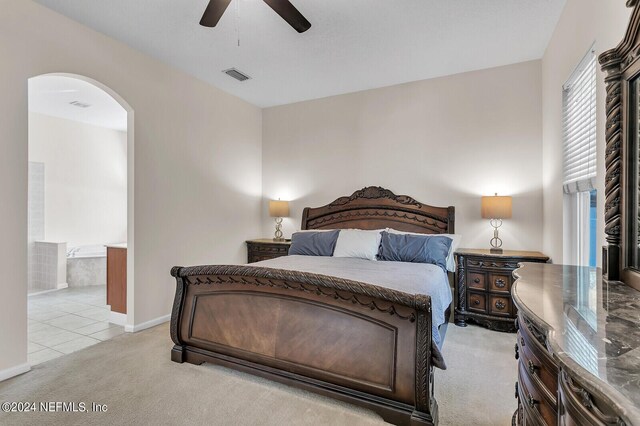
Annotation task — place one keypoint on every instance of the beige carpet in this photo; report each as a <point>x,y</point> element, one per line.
<point>133,375</point>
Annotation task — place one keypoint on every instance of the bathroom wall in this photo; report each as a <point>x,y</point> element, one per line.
<point>85,180</point>
<point>35,226</point>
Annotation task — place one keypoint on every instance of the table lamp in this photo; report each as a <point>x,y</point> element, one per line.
<point>278,209</point>
<point>496,208</point>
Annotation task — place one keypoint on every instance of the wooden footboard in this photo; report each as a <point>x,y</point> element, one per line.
<point>353,341</point>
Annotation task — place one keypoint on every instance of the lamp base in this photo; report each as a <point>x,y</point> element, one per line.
<point>495,250</point>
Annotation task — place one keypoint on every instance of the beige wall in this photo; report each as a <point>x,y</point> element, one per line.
<point>445,141</point>
<point>85,169</point>
<point>197,158</point>
<point>582,23</point>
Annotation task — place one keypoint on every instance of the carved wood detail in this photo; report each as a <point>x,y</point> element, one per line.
<point>586,400</point>
<point>614,62</point>
<point>423,352</point>
<point>375,192</point>
<point>177,306</point>
<point>539,336</point>
<point>434,222</point>
<point>492,264</point>
<point>378,205</point>
<point>310,283</point>
<point>462,292</point>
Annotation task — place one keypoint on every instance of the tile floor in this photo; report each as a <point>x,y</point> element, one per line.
<point>67,320</point>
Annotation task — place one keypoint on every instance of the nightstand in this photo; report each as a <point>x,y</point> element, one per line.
<point>266,248</point>
<point>483,283</point>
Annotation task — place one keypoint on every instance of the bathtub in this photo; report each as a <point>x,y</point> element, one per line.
<point>87,265</point>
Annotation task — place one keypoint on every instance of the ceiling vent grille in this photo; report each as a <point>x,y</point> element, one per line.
<point>79,104</point>
<point>240,76</point>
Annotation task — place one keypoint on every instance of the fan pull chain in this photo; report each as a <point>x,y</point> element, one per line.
<point>237,2</point>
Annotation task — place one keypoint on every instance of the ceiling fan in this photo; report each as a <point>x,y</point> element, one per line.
<point>284,8</point>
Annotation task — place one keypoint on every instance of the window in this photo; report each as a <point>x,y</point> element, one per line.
<point>579,163</point>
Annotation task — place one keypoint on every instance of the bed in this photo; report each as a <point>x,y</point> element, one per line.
<point>365,344</point>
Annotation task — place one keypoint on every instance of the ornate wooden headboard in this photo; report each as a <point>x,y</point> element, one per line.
<point>374,207</point>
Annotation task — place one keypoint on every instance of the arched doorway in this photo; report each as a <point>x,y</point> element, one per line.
<point>80,214</point>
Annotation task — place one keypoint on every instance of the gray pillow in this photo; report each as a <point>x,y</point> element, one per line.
<point>414,248</point>
<point>314,243</point>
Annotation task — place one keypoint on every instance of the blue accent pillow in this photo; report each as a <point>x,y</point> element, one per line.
<point>314,243</point>
<point>414,248</point>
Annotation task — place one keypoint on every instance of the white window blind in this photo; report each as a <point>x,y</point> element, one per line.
<point>579,127</point>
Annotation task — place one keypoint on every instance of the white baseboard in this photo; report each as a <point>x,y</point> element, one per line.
<point>117,318</point>
<point>42,292</point>
<point>8,373</point>
<point>62,285</point>
<point>148,324</point>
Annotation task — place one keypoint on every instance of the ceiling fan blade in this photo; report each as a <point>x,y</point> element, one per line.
<point>213,12</point>
<point>289,13</point>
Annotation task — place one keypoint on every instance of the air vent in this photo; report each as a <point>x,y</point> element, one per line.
<point>79,104</point>
<point>232,72</point>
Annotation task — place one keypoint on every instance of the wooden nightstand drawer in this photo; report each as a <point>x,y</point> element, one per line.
<point>500,305</point>
<point>500,283</point>
<point>266,249</point>
<point>477,302</point>
<point>476,280</point>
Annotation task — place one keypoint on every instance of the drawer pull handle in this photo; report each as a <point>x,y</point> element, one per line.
<point>516,390</point>
<point>500,304</point>
<point>476,302</point>
<point>500,283</point>
<point>476,280</point>
<point>532,367</point>
<point>531,402</point>
<point>521,341</point>
<point>517,351</point>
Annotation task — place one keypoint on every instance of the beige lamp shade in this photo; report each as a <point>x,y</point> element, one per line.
<point>496,207</point>
<point>278,208</point>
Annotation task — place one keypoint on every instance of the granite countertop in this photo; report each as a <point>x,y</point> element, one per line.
<point>119,245</point>
<point>593,328</point>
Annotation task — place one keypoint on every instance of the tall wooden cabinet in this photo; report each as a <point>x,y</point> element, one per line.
<point>117,278</point>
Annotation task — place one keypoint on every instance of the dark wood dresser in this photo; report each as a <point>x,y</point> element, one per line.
<point>578,347</point>
<point>266,248</point>
<point>483,281</point>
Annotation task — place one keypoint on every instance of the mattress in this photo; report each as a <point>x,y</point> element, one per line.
<point>412,278</point>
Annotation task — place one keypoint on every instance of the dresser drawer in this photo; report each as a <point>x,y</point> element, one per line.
<point>477,280</point>
<point>527,339</point>
<point>477,302</point>
<point>533,401</point>
<point>500,305</point>
<point>500,283</point>
<point>543,376</point>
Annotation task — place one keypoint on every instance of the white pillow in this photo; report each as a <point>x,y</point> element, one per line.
<point>358,243</point>
<point>455,243</point>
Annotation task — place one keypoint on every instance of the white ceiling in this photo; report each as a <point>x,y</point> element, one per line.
<point>352,45</point>
<point>52,95</point>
